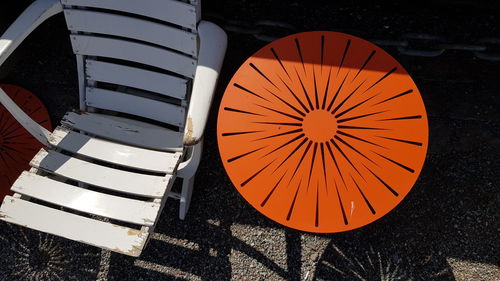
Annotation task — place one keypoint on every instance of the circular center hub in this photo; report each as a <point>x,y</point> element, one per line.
<point>319,125</point>
<point>39,259</point>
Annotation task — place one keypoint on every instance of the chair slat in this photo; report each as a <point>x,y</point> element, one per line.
<point>125,155</point>
<point>172,11</point>
<point>135,52</point>
<point>137,78</point>
<point>101,176</point>
<point>144,107</point>
<point>129,27</point>
<point>97,233</point>
<point>125,130</point>
<point>84,200</point>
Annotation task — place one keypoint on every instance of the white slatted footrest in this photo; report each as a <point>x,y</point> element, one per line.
<point>109,236</point>
<point>79,203</point>
<point>125,130</point>
<point>101,176</point>
<point>84,200</point>
<point>111,152</point>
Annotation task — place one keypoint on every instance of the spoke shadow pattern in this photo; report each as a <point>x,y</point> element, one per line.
<point>370,258</point>
<point>35,256</point>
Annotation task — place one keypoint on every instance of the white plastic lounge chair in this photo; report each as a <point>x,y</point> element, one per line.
<point>147,71</point>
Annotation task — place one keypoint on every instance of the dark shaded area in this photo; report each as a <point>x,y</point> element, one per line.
<point>452,210</point>
<point>32,255</point>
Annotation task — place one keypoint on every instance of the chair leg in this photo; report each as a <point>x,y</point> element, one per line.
<point>186,172</point>
<point>187,191</point>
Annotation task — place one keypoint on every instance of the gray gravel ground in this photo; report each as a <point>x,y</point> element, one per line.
<point>445,229</point>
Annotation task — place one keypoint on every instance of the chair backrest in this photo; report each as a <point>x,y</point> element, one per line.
<point>135,57</point>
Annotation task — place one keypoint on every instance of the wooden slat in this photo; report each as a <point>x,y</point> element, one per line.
<point>172,11</point>
<point>133,51</point>
<point>144,107</point>
<point>84,200</point>
<point>137,78</point>
<point>129,156</point>
<point>105,177</point>
<point>129,27</point>
<point>125,130</point>
<point>97,233</point>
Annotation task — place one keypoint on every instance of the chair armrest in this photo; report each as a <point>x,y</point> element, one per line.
<point>213,42</point>
<point>37,131</point>
<point>31,18</point>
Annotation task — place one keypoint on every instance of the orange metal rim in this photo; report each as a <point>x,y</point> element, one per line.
<point>322,131</point>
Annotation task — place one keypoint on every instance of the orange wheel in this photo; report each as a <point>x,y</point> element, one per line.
<point>322,131</point>
<point>17,146</point>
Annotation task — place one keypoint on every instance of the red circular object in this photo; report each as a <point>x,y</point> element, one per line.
<point>322,131</point>
<point>18,146</point>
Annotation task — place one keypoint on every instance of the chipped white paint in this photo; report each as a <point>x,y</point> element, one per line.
<point>213,42</point>
<point>137,78</point>
<point>125,130</point>
<point>125,155</point>
<point>113,237</point>
<point>140,106</point>
<point>84,200</point>
<point>101,176</point>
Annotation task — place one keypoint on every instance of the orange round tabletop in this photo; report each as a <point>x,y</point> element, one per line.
<point>322,131</point>
<point>17,146</point>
